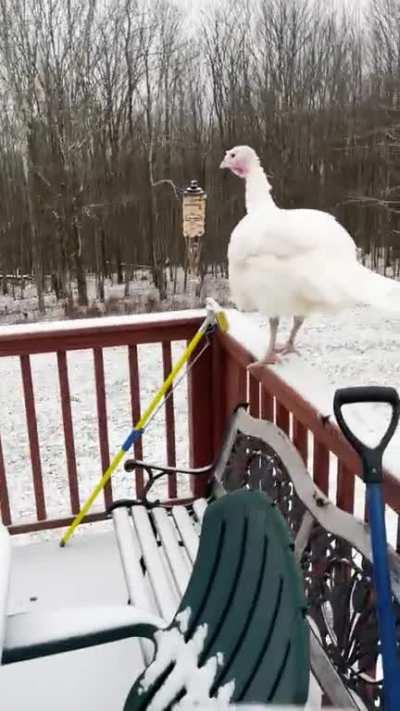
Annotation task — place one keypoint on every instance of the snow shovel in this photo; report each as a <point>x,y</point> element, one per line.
<point>371,458</point>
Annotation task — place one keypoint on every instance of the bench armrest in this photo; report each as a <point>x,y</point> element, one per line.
<point>38,634</point>
<point>132,464</point>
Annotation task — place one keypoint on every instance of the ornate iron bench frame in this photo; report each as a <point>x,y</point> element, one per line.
<point>332,547</point>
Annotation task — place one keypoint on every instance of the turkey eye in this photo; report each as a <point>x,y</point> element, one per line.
<point>233,155</point>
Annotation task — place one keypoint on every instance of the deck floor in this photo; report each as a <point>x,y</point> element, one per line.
<point>86,572</point>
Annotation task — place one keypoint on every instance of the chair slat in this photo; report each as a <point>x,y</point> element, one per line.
<point>175,554</point>
<point>186,529</point>
<point>162,582</point>
<point>139,588</point>
<point>130,557</point>
<point>199,507</point>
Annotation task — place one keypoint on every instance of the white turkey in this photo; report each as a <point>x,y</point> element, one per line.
<point>294,262</point>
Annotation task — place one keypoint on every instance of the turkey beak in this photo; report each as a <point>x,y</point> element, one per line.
<point>224,164</point>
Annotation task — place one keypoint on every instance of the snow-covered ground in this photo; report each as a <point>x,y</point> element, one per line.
<point>21,306</point>
<point>356,347</point>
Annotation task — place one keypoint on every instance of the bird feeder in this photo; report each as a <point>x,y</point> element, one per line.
<point>194,217</point>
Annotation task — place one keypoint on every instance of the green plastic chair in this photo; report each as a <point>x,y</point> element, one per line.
<point>240,634</point>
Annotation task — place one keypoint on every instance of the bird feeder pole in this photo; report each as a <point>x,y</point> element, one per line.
<point>194,217</point>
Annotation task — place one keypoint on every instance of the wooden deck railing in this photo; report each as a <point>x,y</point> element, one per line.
<point>316,437</point>
<point>216,384</point>
<point>22,344</point>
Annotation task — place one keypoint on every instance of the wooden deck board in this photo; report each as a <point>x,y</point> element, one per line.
<point>87,571</point>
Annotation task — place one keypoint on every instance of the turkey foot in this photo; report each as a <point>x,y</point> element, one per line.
<point>286,348</point>
<point>270,358</point>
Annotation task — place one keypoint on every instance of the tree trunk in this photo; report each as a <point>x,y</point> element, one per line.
<point>78,264</point>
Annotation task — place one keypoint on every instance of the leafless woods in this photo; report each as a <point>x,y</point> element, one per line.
<point>102,101</point>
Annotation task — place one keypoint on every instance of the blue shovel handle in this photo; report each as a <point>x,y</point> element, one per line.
<point>371,458</point>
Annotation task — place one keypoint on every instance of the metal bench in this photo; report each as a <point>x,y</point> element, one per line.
<point>158,545</point>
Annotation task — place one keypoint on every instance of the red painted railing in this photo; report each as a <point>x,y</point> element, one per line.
<point>216,384</point>
<point>317,438</point>
<point>127,333</point>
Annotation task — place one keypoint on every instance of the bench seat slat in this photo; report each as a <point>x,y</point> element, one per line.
<point>199,507</point>
<point>175,554</point>
<point>130,556</point>
<point>161,580</point>
<point>187,531</point>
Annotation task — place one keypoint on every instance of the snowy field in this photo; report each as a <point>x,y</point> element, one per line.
<point>353,348</point>
<point>21,304</point>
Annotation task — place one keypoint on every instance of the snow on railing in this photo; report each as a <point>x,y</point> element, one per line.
<point>54,394</point>
<point>300,401</point>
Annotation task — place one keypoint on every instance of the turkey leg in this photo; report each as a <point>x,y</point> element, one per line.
<point>270,357</point>
<point>288,347</point>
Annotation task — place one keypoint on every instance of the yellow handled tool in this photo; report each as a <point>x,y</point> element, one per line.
<point>214,316</point>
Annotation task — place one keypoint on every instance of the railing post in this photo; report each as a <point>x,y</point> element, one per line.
<point>235,377</point>
<point>321,466</point>
<point>218,360</point>
<point>4,498</point>
<point>345,488</point>
<point>282,417</point>
<point>300,439</point>
<point>254,396</point>
<point>200,417</point>
<point>267,405</point>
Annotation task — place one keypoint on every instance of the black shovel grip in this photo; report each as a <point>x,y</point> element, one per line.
<point>371,456</point>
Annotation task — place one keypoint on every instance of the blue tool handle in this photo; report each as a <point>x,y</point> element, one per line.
<point>371,456</point>
<point>386,618</point>
<point>133,437</point>
<point>373,474</point>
